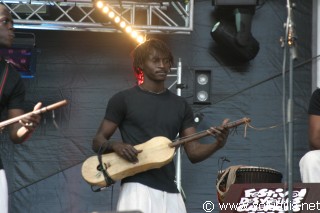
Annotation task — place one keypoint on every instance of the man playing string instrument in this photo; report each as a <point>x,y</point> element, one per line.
<point>12,93</point>
<point>146,111</point>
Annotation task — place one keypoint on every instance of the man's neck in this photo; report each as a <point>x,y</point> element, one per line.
<point>156,89</point>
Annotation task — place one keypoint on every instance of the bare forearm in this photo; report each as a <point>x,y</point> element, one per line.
<point>201,152</point>
<point>197,151</point>
<point>99,144</point>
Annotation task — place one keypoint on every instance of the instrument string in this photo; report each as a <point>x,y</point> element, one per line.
<point>268,127</point>
<point>189,136</point>
<point>179,141</point>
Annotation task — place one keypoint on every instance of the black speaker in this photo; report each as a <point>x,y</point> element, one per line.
<point>202,87</point>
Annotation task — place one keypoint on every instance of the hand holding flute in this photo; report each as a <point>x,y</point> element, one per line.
<point>29,121</point>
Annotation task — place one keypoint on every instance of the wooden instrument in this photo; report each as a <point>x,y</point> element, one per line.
<point>156,153</point>
<point>39,111</point>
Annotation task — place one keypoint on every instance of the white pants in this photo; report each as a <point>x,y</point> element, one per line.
<point>310,167</point>
<point>3,192</point>
<point>138,197</point>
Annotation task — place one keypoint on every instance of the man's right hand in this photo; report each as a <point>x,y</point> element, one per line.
<point>126,151</point>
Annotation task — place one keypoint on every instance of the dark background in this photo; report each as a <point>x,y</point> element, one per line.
<point>87,68</point>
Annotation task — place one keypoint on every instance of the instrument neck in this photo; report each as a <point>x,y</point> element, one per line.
<point>207,132</point>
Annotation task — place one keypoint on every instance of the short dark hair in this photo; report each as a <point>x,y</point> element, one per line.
<point>142,52</point>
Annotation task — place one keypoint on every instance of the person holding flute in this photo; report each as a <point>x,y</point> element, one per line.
<point>12,100</point>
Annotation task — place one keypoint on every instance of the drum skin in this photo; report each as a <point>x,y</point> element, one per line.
<point>246,174</point>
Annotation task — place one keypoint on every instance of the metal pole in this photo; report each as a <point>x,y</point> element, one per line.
<point>178,152</point>
<point>316,73</point>
<point>291,41</point>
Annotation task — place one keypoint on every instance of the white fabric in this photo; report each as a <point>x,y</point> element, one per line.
<point>310,167</point>
<point>3,192</point>
<point>138,197</point>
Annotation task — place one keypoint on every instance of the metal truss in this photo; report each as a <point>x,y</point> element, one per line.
<point>164,17</point>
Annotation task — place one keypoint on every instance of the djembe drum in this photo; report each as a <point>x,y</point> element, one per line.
<point>244,174</point>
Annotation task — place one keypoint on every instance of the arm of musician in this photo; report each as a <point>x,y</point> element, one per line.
<point>314,132</point>
<point>197,151</point>
<point>101,140</point>
<point>104,133</point>
<point>22,130</point>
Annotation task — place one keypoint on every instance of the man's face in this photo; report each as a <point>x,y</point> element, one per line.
<point>6,27</point>
<point>156,66</point>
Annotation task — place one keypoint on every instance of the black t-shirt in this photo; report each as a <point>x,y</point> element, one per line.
<point>13,91</point>
<point>314,104</point>
<point>143,115</point>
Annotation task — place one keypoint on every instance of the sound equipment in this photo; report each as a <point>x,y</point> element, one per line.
<point>271,197</point>
<point>202,87</point>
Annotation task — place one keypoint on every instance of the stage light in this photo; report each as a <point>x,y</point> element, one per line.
<point>134,34</point>
<point>122,24</point>
<point>105,9</point>
<point>202,87</point>
<point>128,29</point>
<point>141,39</point>
<point>232,27</point>
<point>99,4</point>
<point>119,21</point>
<point>111,14</point>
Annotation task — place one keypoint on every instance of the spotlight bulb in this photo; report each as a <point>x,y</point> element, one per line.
<point>128,29</point>
<point>99,4</point>
<point>111,14</point>
<point>134,34</point>
<point>117,19</point>
<point>140,39</point>
<point>122,24</point>
<point>105,9</point>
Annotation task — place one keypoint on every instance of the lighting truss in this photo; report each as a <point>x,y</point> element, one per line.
<point>163,17</point>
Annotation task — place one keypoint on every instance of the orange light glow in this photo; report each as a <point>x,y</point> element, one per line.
<point>99,4</point>
<point>111,14</point>
<point>122,24</point>
<point>105,9</point>
<point>120,21</point>
<point>134,34</point>
<point>117,19</point>
<point>128,29</point>
<point>140,39</point>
